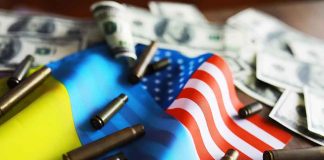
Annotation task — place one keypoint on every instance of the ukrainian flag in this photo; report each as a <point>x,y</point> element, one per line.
<point>56,115</point>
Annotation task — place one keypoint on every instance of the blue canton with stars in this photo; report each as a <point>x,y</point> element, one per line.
<point>166,84</point>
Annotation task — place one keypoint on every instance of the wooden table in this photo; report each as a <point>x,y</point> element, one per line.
<point>305,16</point>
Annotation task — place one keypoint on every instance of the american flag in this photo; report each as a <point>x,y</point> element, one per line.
<point>189,109</point>
<point>199,92</point>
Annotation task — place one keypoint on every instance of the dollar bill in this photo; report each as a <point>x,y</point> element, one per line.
<point>257,23</point>
<point>143,23</point>
<point>180,11</point>
<point>14,48</point>
<point>237,67</point>
<point>314,102</point>
<point>35,25</point>
<point>290,112</point>
<point>250,85</point>
<point>235,38</point>
<point>308,49</point>
<point>289,73</point>
<point>113,21</point>
<point>282,72</point>
<point>207,37</point>
<point>204,36</point>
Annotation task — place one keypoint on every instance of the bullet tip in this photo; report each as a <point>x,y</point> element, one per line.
<point>243,113</point>
<point>139,129</point>
<point>12,82</point>
<point>133,79</point>
<point>96,123</point>
<point>267,155</point>
<point>124,97</point>
<point>66,157</point>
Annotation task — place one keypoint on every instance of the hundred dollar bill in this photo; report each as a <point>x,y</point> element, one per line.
<point>204,36</point>
<point>314,102</point>
<point>181,11</point>
<point>143,23</point>
<point>290,112</point>
<point>113,21</point>
<point>308,49</point>
<point>189,52</point>
<point>15,48</point>
<point>208,37</point>
<point>257,23</point>
<point>50,26</point>
<point>282,72</point>
<point>289,73</point>
<point>257,89</point>
<point>237,67</point>
<point>235,38</point>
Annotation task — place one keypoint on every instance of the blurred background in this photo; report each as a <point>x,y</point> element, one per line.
<point>81,8</point>
<point>306,16</point>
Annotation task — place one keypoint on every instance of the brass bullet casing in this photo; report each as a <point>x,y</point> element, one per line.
<point>230,154</point>
<point>95,149</point>
<point>156,66</point>
<point>118,156</point>
<point>14,95</point>
<point>20,72</point>
<point>250,109</point>
<point>108,112</point>
<point>142,63</point>
<point>313,153</point>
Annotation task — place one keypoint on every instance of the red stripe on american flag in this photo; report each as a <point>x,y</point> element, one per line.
<point>198,98</point>
<point>221,64</point>
<point>257,120</point>
<point>236,129</point>
<point>188,121</point>
<point>199,107</point>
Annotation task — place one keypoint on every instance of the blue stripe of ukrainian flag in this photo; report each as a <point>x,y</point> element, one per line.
<point>57,117</point>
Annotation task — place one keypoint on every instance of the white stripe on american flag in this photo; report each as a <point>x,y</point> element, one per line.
<point>226,133</point>
<point>195,111</point>
<point>245,124</point>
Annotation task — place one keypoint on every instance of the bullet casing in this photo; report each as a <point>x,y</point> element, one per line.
<point>231,154</point>
<point>108,112</point>
<point>156,66</point>
<point>118,156</point>
<point>95,149</point>
<point>313,153</point>
<point>141,65</point>
<point>14,95</point>
<point>250,110</point>
<point>20,72</point>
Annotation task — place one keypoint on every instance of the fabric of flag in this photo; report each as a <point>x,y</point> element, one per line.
<point>208,107</point>
<point>208,103</point>
<point>188,110</point>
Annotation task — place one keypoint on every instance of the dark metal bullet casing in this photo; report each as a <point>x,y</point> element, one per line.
<point>142,63</point>
<point>20,72</point>
<point>250,110</point>
<point>108,112</point>
<point>313,153</point>
<point>14,95</point>
<point>118,156</point>
<point>231,154</point>
<point>156,66</point>
<point>97,148</point>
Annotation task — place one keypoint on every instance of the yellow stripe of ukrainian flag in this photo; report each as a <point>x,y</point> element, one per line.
<point>44,130</point>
